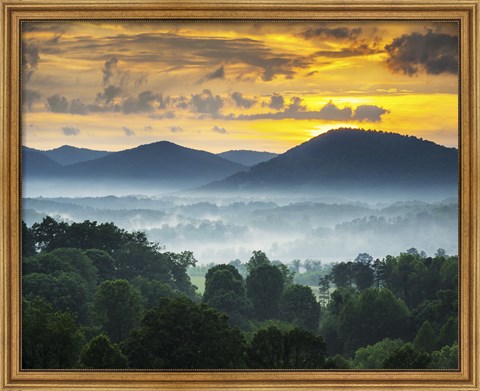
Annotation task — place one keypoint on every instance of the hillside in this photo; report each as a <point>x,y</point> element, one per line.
<point>246,157</point>
<point>350,159</point>
<point>67,154</point>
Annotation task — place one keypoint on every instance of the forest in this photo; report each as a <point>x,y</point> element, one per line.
<point>96,296</point>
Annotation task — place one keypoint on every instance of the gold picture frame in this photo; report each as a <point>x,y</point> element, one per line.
<point>466,12</point>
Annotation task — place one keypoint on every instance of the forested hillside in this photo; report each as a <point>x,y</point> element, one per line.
<point>97,296</point>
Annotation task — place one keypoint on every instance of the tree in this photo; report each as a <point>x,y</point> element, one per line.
<point>50,340</point>
<point>152,291</point>
<point>47,231</point>
<point>100,353</point>
<point>117,308</point>
<point>28,241</point>
<point>298,305</point>
<point>225,291</point>
<point>180,334</point>
<point>264,289</point>
<point>448,334</point>
<point>373,356</point>
<point>375,314</point>
<point>287,274</point>
<point>407,357</point>
<point>342,274</point>
<point>425,338</point>
<point>294,349</point>
<point>324,288</point>
<point>104,263</point>
<point>258,258</point>
<point>445,358</point>
<point>66,292</point>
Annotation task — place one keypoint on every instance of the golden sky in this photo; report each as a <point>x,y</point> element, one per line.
<point>218,86</point>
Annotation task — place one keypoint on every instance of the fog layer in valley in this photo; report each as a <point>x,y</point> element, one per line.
<point>286,227</point>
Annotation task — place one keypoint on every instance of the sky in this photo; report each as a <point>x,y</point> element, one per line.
<point>218,86</point>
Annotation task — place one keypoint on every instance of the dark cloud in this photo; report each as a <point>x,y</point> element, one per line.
<point>77,107</point>
<point>339,33</point>
<point>145,102</point>
<point>128,131</point>
<point>218,73</point>
<point>358,50</point>
<point>30,60</point>
<point>369,113</point>
<point>219,130</point>
<point>29,97</point>
<point>109,68</point>
<point>176,129</point>
<point>206,103</point>
<point>241,101</point>
<point>57,104</point>
<point>109,93</point>
<point>432,53</point>
<point>276,102</point>
<point>331,112</point>
<point>70,131</point>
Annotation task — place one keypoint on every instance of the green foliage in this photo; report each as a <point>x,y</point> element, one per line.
<point>445,358</point>
<point>104,263</point>
<point>66,292</point>
<point>375,314</point>
<point>407,357</point>
<point>117,307</point>
<point>225,291</point>
<point>449,332</point>
<point>425,338</point>
<point>50,339</point>
<point>264,289</point>
<point>373,356</point>
<point>152,291</point>
<point>258,258</point>
<point>100,353</point>
<point>179,334</point>
<point>298,305</point>
<point>294,349</point>
<point>28,241</point>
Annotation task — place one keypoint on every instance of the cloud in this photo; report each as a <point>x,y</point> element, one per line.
<point>176,129</point>
<point>219,130</point>
<point>29,97</point>
<point>128,131</point>
<point>330,111</point>
<point>109,94</point>
<point>206,103</point>
<point>339,33</point>
<point>242,102</point>
<point>276,102</point>
<point>432,53</point>
<point>77,107</point>
<point>369,113</point>
<point>57,104</point>
<point>109,68</point>
<point>218,73</point>
<point>30,60</point>
<point>70,131</point>
<point>148,128</point>
<point>146,101</point>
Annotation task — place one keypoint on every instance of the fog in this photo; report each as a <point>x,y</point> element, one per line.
<point>286,226</point>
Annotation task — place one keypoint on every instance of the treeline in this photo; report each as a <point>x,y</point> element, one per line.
<point>97,296</point>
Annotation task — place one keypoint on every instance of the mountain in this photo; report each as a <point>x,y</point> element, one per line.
<point>157,163</point>
<point>36,164</point>
<point>349,160</point>
<point>67,154</point>
<point>247,158</point>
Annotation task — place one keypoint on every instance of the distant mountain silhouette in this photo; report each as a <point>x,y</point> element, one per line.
<point>67,154</point>
<point>161,163</point>
<point>36,164</point>
<point>246,157</point>
<point>350,159</point>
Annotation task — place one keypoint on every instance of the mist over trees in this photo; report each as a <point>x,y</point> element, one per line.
<point>98,296</point>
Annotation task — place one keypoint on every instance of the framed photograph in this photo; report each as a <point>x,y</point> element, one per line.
<point>239,195</point>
